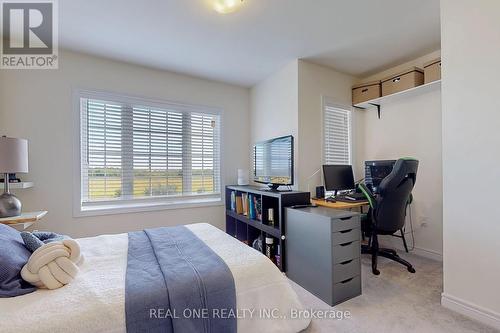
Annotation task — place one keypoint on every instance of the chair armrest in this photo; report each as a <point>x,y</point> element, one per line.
<point>368,194</point>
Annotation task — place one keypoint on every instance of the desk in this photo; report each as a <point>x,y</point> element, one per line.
<point>340,204</point>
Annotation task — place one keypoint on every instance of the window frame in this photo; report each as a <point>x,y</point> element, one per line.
<point>327,101</point>
<point>109,207</point>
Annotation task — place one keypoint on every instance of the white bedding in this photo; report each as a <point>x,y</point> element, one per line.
<point>95,300</point>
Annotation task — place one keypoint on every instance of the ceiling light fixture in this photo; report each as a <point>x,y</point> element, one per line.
<point>227,6</point>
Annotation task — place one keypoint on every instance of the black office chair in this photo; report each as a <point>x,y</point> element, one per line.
<point>388,210</point>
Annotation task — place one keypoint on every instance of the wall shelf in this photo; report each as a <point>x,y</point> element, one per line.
<point>381,101</point>
<point>21,185</point>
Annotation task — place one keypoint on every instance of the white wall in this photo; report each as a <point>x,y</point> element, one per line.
<point>315,83</point>
<point>410,127</point>
<point>37,105</point>
<point>274,108</point>
<point>290,102</point>
<point>471,140</point>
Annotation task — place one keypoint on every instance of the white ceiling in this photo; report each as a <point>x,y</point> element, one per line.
<point>357,37</point>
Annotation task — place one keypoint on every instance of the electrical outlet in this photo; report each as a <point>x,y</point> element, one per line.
<point>423,221</point>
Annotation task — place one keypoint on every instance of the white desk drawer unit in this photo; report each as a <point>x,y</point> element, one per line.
<point>323,252</point>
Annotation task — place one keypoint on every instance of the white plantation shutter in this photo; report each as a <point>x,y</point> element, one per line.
<point>204,152</point>
<point>101,148</point>
<point>337,136</point>
<point>158,146</point>
<point>131,151</point>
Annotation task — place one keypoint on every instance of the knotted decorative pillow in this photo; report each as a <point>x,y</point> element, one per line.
<point>33,240</point>
<point>53,265</point>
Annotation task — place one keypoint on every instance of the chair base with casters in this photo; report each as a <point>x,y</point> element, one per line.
<point>376,251</point>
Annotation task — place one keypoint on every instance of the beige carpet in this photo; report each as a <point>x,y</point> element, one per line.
<point>394,301</point>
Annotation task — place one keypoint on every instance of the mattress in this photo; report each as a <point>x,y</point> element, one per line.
<point>95,300</point>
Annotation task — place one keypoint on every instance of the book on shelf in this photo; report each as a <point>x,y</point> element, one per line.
<point>233,201</point>
<point>258,207</point>
<point>244,199</point>
<point>251,207</point>
<point>239,204</point>
<point>277,256</point>
<point>254,207</point>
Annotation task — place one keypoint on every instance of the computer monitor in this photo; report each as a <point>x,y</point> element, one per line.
<point>376,171</point>
<point>338,177</point>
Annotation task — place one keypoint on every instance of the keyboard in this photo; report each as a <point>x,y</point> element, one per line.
<point>351,197</point>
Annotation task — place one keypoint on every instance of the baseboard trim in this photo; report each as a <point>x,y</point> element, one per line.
<point>429,254</point>
<point>472,311</point>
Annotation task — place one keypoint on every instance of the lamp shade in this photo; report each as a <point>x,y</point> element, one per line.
<point>13,155</point>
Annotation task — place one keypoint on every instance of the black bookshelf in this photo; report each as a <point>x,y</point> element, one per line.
<point>248,229</point>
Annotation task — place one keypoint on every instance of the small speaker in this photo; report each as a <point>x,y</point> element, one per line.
<point>243,177</point>
<point>320,192</point>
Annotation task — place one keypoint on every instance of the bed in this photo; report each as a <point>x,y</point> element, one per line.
<point>95,300</point>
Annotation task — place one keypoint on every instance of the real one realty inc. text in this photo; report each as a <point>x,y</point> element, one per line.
<point>273,313</point>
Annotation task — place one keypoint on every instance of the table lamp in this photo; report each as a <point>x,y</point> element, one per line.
<point>13,158</point>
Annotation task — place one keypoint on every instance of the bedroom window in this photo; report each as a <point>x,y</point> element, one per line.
<point>336,134</point>
<point>140,155</point>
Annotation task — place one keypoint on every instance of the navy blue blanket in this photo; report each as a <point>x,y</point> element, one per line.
<point>175,283</point>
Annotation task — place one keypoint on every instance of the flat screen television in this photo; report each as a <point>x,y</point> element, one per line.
<point>273,162</point>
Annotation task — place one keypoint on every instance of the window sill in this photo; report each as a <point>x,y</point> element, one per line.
<point>124,208</point>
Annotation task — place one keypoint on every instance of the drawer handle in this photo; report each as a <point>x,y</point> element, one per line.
<point>364,90</point>
<point>345,281</point>
<point>346,262</point>
<point>396,80</point>
<point>345,231</point>
<point>346,218</point>
<point>346,244</point>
